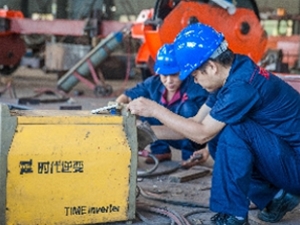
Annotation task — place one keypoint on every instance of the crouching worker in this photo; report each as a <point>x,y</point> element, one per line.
<point>182,97</point>
<point>251,122</point>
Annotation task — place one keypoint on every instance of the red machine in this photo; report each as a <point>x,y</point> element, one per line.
<point>241,26</point>
<point>11,45</point>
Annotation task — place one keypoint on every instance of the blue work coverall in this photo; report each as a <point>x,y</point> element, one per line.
<point>258,151</point>
<point>186,102</point>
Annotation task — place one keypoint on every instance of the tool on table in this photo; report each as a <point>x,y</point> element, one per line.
<point>195,158</point>
<point>192,161</point>
<point>112,107</point>
<point>145,134</point>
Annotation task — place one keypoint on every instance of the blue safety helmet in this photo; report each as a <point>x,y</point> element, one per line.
<point>165,63</point>
<point>194,45</point>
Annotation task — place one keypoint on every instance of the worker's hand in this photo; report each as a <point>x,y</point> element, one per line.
<point>143,107</point>
<point>201,155</point>
<point>197,158</point>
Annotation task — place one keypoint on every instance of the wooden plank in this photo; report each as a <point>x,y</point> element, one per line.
<point>191,174</point>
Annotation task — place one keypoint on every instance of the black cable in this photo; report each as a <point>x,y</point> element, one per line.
<point>149,172</point>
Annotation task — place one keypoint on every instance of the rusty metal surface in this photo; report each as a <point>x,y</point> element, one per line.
<point>12,49</point>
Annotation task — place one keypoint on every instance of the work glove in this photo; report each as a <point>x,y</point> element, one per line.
<point>145,135</point>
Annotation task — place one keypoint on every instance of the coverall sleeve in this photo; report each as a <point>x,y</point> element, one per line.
<point>235,102</point>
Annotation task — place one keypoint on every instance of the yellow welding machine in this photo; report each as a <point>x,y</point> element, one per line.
<point>66,167</point>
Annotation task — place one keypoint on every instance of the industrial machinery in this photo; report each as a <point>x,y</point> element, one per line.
<point>18,32</point>
<point>240,24</point>
<point>60,57</point>
<point>67,167</point>
<point>12,45</point>
<point>85,67</point>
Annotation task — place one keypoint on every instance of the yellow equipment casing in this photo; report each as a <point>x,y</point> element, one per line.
<point>66,167</point>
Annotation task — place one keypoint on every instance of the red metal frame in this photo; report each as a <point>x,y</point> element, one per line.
<point>209,14</point>
<point>9,14</point>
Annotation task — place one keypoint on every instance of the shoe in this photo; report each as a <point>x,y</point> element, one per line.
<point>160,157</point>
<point>215,217</point>
<point>223,219</point>
<point>277,208</point>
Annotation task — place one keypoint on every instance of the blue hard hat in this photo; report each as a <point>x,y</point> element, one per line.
<point>194,45</point>
<point>165,63</point>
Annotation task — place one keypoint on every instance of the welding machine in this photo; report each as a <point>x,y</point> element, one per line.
<point>66,167</point>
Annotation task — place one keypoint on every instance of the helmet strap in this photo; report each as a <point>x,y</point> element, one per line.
<point>222,48</point>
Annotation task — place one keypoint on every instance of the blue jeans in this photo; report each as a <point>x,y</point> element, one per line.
<point>187,147</point>
<point>251,163</point>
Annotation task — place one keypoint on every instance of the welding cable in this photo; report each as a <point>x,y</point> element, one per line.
<point>150,172</point>
<point>164,172</point>
<point>195,212</point>
<point>183,219</point>
<point>150,222</point>
<point>186,215</point>
<point>137,192</point>
<point>152,169</point>
<point>175,218</point>
<point>153,196</point>
<point>167,212</point>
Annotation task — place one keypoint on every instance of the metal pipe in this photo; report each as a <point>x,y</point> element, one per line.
<point>54,14</point>
<point>96,56</point>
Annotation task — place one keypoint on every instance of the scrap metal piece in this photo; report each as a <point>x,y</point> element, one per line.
<point>145,135</point>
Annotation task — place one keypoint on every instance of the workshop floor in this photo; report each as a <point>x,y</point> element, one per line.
<point>172,196</point>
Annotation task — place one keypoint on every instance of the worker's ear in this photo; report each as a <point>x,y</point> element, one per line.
<point>211,67</point>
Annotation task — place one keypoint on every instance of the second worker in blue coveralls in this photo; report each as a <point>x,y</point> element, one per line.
<point>183,97</point>
<point>251,122</point>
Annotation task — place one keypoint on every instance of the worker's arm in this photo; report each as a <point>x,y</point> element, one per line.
<point>164,132</point>
<point>202,113</point>
<point>123,99</point>
<point>197,131</point>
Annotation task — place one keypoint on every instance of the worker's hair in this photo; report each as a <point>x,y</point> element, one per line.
<point>225,58</point>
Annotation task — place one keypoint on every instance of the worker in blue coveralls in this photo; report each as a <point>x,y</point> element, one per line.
<point>183,97</point>
<point>251,122</point>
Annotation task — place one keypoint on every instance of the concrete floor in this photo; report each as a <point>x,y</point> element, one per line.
<point>27,81</point>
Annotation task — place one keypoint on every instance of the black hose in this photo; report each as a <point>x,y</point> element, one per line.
<point>149,172</point>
